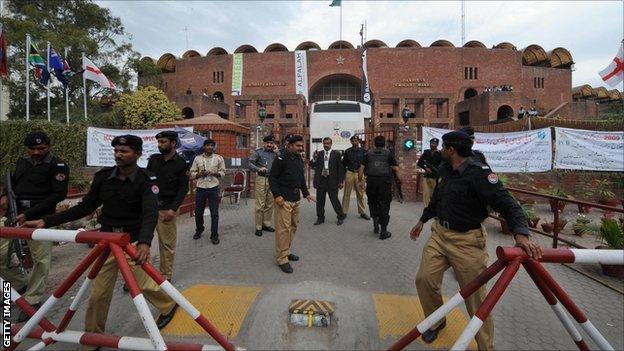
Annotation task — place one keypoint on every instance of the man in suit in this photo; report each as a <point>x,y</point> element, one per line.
<point>328,178</point>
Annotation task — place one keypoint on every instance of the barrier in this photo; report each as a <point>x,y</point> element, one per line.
<point>106,243</point>
<point>509,261</point>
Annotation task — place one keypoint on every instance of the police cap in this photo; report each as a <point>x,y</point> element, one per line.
<point>169,134</point>
<point>456,137</point>
<point>434,140</point>
<point>355,137</point>
<point>468,130</point>
<point>294,138</point>
<point>268,138</point>
<point>132,141</point>
<point>36,138</point>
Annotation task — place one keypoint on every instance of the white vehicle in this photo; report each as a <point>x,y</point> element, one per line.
<point>339,120</point>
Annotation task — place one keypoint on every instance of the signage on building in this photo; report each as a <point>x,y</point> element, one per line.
<point>301,73</point>
<point>367,95</point>
<point>265,84</point>
<point>412,82</point>
<point>237,74</point>
<point>589,150</point>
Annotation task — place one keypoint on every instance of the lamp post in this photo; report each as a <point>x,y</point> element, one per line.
<point>262,113</point>
<point>406,114</point>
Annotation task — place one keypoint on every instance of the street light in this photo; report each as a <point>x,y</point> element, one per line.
<point>406,114</point>
<point>262,112</point>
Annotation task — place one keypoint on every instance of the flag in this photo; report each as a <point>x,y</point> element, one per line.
<point>367,94</point>
<point>3,54</point>
<point>614,73</point>
<point>335,3</point>
<point>39,67</point>
<point>91,72</point>
<point>57,65</point>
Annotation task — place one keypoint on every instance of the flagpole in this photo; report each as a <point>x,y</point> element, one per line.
<point>84,85</point>
<point>27,78</point>
<point>341,23</point>
<point>49,79</point>
<point>66,91</point>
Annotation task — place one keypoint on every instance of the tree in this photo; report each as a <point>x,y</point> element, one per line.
<point>145,108</point>
<point>79,25</point>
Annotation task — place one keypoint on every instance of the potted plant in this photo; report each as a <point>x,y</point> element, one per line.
<point>582,225</point>
<point>612,234</point>
<point>561,225</point>
<point>556,205</point>
<point>588,194</point>
<point>605,195</point>
<point>547,227</point>
<point>531,216</point>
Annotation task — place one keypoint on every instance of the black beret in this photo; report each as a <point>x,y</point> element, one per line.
<point>435,140</point>
<point>294,138</point>
<point>468,130</point>
<point>456,136</point>
<point>355,137</point>
<point>36,138</point>
<point>169,134</point>
<point>268,138</point>
<point>132,141</point>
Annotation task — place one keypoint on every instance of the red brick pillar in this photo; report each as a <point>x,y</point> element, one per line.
<point>407,161</point>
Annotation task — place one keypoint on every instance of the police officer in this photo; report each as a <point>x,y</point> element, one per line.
<point>260,162</point>
<point>172,177</point>
<point>40,182</point>
<point>352,160</point>
<point>379,166</point>
<point>459,204</point>
<point>286,180</point>
<point>430,161</point>
<point>128,195</point>
<point>477,154</point>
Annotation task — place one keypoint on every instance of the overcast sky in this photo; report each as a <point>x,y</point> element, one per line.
<point>591,30</point>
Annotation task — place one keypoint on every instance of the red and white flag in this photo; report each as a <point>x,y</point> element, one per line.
<point>91,72</point>
<point>614,73</point>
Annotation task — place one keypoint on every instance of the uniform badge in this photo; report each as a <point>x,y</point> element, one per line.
<point>152,177</point>
<point>492,178</point>
<point>155,189</point>
<point>60,177</point>
<point>38,141</point>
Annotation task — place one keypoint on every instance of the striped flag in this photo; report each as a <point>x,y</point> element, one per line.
<point>93,73</point>
<point>614,73</point>
<point>3,54</point>
<point>38,64</point>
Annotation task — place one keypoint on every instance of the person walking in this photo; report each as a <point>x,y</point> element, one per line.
<point>208,168</point>
<point>458,240</point>
<point>352,160</point>
<point>287,181</point>
<point>379,166</point>
<point>328,178</point>
<point>128,195</point>
<point>40,182</point>
<point>261,161</point>
<point>430,162</point>
<point>172,176</point>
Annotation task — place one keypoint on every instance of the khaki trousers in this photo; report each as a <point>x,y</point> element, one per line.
<point>264,202</point>
<point>286,219</point>
<point>102,293</point>
<point>466,253</point>
<point>428,186</point>
<point>41,253</point>
<point>167,237</point>
<point>351,181</point>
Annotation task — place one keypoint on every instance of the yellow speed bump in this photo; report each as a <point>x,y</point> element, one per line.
<point>398,314</point>
<point>224,306</point>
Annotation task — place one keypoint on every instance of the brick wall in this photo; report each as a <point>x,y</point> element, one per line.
<point>407,163</point>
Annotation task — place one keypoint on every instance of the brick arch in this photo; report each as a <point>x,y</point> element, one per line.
<point>217,51</point>
<point>375,43</point>
<point>560,58</point>
<point>276,47</point>
<point>188,113</point>
<point>469,93</point>
<point>308,45</point>
<point>474,44</point>
<point>505,46</point>
<point>167,63</point>
<point>245,49</point>
<point>319,83</point>
<point>408,43</point>
<point>584,91</point>
<point>190,54</point>
<point>504,111</point>
<point>340,44</point>
<point>442,43</point>
<point>534,55</point>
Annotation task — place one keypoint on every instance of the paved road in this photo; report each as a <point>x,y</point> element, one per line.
<point>241,287</point>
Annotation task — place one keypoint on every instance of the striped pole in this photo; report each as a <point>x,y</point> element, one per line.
<point>566,255</point>
<point>138,299</point>
<point>487,305</point>
<point>556,307</point>
<point>567,302</point>
<point>446,308</point>
<point>73,236</point>
<point>170,290</point>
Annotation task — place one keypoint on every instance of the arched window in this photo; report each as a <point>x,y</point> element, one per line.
<point>218,96</point>
<point>188,113</point>
<point>504,112</point>
<point>470,92</point>
<point>336,87</point>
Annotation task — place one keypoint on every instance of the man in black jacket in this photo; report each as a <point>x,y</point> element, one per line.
<point>328,178</point>
<point>430,162</point>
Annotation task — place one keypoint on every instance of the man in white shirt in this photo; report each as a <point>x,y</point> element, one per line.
<point>207,169</point>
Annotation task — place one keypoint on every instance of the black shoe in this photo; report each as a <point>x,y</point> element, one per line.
<point>23,317</point>
<point>215,240</point>
<point>258,232</point>
<point>293,257</point>
<point>340,221</point>
<point>430,335</point>
<point>375,225</point>
<point>286,268</point>
<point>198,234</point>
<point>385,235</point>
<point>125,288</point>
<point>319,221</point>
<point>268,229</point>
<point>164,319</point>
<point>365,216</point>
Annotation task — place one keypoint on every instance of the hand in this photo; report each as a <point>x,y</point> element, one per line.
<point>341,185</point>
<point>279,201</point>
<point>21,219</point>
<point>415,233</point>
<point>310,198</point>
<point>362,186</point>
<point>263,170</point>
<point>167,215</point>
<point>39,223</point>
<point>143,254</point>
<point>532,249</point>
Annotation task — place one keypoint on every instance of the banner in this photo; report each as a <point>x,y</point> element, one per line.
<point>100,152</point>
<point>517,152</point>
<point>367,95</point>
<point>237,74</point>
<point>589,150</point>
<point>301,73</point>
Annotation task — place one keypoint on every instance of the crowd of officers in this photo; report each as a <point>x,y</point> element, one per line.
<point>459,187</point>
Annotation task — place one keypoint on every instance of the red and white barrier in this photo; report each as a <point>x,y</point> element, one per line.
<point>72,236</point>
<point>566,255</point>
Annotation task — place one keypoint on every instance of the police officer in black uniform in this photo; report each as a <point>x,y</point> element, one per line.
<point>477,154</point>
<point>40,182</point>
<point>379,166</point>
<point>430,161</point>
<point>129,198</point>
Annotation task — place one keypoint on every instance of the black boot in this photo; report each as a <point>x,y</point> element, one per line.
<point>375,225</point>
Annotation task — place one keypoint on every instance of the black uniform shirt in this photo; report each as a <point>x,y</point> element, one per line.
<point>463,194</point>
<point>392,162</point>
<point>172,178</point>
<point>353,158</point>
<point>44,183</point>
<point>286,178</point>
<point>431,160</point>
<point>131,203</point>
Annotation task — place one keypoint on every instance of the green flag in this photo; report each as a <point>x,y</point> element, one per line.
<point>335,3</point>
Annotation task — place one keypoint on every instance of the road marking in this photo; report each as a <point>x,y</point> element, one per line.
<point>311,306</point>
<point>398,314</point>
<point>223,305</point>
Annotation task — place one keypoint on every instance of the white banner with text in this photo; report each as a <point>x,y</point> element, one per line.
<point>589,150</point>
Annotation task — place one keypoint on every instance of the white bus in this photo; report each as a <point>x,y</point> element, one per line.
<point>339,120</point>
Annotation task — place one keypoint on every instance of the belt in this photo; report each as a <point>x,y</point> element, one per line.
<point>352,170</point>
<point>262,175</point>
<point>458,227</point>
